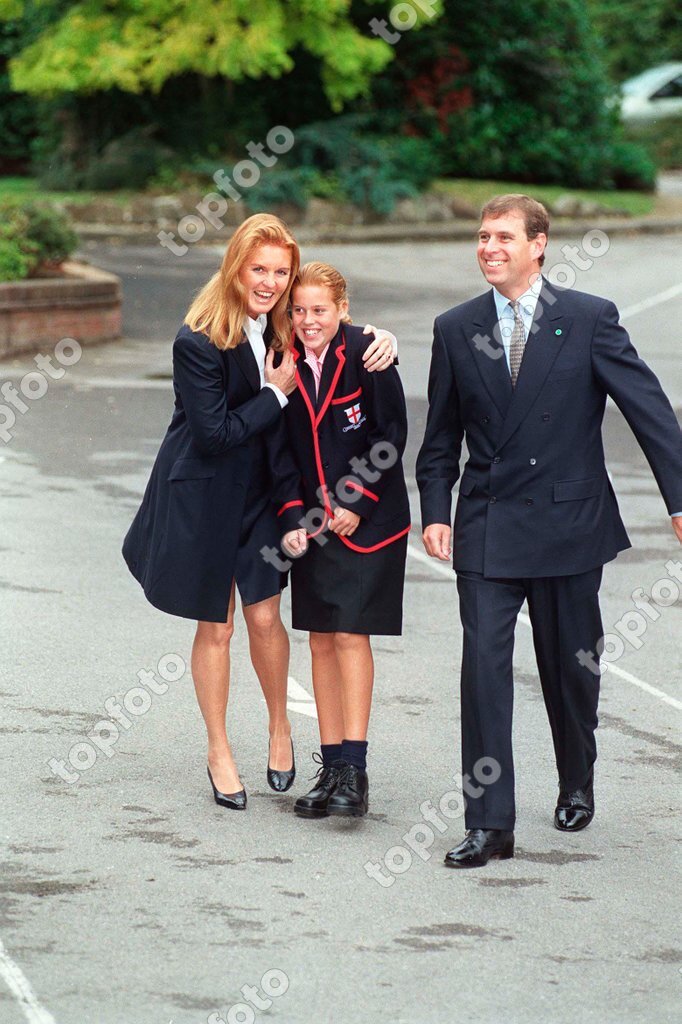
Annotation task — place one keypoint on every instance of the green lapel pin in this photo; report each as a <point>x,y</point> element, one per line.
<point>558,330</point>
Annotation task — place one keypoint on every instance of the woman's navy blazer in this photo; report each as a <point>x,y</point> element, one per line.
<point>348,443</point>
<point>182,544</point>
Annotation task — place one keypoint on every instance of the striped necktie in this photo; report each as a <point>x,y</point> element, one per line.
<point>518,342</point>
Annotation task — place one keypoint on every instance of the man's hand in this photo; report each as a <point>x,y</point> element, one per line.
<point>677,527</point>
<point>437,539</point>
<point>344,523</point>
<point>284,377</point>
<point>381,352</point>
<point>295,543</point>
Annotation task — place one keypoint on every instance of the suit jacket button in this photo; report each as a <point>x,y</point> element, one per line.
<point>529,501</point>
<point>545,416</point>
<point>486,419</point>
<point>493,500</point>
<point>497,459</point>
<point>533,462</point>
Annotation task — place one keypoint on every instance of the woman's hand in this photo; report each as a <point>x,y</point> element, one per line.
<point>381,352</point>
<point>295,543</point>
<point>344,523</point>
<point>284,377</point>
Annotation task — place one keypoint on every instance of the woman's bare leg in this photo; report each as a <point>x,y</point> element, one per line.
<point>356,666</point>
<point>327,687</point>
<point>269,647</point>
<point>211,674</point>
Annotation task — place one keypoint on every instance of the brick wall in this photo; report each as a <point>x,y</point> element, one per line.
<point>83,303</point>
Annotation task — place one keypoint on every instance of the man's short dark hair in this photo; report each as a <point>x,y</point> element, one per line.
<point>535,216</point>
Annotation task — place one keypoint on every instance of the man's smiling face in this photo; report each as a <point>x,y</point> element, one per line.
<point>507,257</point>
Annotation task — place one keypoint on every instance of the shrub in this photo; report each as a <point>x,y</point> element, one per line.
<point>31,236</point>
<point>15,262</point>
<point>341,160</point>
<point>520,93</point>
<point>662,140</point>
<point>64,162</point>
<point>51,232</point>
<point>129,161</point>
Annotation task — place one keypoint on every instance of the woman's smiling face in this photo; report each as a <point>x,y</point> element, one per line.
<point>315,315</point>
<point>265,275</point>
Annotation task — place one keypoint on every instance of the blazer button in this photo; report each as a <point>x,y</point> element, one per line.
<point>497,459</point>
<point>533,462</point>
<point>486,419</point>
<point>545,416</point>
<point>529,501</point>
<point>493,500</point>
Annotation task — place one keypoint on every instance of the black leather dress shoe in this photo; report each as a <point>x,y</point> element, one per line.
<point>232,801</point>
<point>314,804</point>
<point>278,780</point>
<point>349,799</point>
<point>574,810</point>
<point>480,846</point>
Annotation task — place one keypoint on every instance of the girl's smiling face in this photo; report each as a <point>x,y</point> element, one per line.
<point>315,315</point>
<point>265,275</point>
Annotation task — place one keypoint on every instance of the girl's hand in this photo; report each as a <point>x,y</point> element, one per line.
<point>381,352</point>
<point>295,543</point>
<point>284,377</point>
<point>344,523</point>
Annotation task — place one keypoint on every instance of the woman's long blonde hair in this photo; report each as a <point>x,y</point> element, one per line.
<point>323,275</point>
<point>221,306</point>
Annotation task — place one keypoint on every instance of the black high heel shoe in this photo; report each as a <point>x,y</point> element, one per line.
<point>233,801</point>
<point>281,781</point>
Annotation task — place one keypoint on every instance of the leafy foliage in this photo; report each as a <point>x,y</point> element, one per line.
<point>18,121</point>
<point>637,34</point>
<point>369,170</point>
<point>522,93</point>
<point>98,45</point>
<point>32,235</point>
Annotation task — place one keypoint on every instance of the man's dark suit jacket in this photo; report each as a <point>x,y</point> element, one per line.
<point>535,498</point>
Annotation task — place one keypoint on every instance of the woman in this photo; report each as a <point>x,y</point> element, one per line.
<point>207,510</point>
<point>346,430</point>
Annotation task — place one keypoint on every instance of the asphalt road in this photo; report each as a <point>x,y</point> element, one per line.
<point>128,897</point>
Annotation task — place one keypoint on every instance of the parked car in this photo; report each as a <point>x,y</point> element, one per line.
<point>653,95</point>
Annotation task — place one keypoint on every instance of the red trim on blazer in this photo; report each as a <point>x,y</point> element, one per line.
<point>363,490</point>
<point>375,547</point>
<point>315,421</point>
<point>289,504</point>
<point>347,398</point>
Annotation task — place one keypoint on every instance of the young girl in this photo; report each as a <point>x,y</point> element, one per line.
<point>349,513</point>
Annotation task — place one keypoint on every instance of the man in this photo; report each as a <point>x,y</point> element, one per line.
<point>522,372</point>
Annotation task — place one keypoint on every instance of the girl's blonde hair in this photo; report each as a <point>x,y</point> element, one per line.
<point>324,276</point>
<point>221,306</point>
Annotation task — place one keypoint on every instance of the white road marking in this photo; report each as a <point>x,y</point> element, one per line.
<point>445,569</point>
<point>299,699</point>
<point>19,986</point>
<point>653,300</point>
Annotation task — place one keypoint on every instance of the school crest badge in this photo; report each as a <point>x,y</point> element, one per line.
<point>353,413</point>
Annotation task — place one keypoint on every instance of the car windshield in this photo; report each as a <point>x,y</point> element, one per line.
<point>648,80</point>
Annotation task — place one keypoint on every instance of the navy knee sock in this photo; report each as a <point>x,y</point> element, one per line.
<point>331,752</point>
<point>355,752</point>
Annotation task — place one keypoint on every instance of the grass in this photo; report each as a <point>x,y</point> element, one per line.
<point>24,189</point>
<point>637,204</point>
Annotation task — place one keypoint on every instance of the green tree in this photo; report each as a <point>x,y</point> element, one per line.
<point>518,90</point>
<point>138,45</point>
<point>637,34</point>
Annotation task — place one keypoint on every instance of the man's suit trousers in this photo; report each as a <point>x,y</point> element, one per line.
<point>565,616</point>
